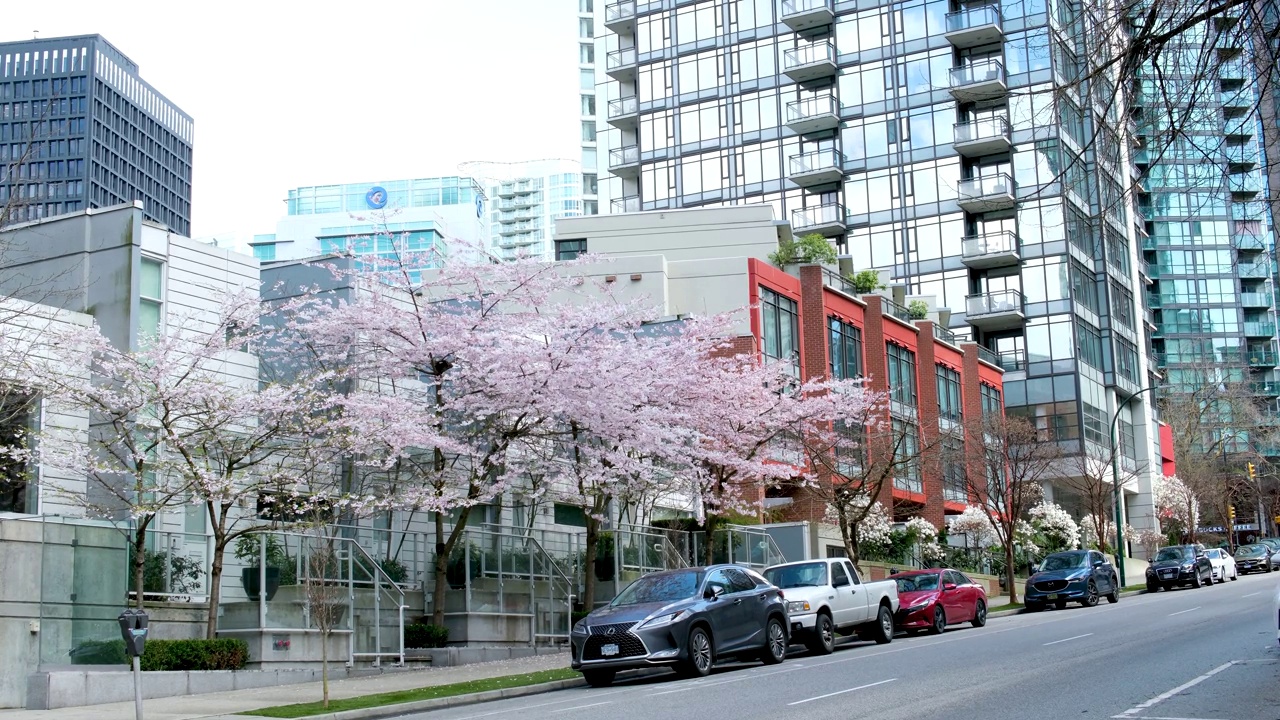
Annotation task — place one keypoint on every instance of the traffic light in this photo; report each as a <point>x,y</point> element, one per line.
<point>1253,472</point>
<point>1231,514</point>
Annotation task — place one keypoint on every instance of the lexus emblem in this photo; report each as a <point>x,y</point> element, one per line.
<point>609,631</point>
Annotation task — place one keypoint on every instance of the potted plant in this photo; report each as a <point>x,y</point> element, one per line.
<point>279,565</point>
<point>604,566</point>
<point>866,281</point>
<point>456,570</point>
<point>918,309</point>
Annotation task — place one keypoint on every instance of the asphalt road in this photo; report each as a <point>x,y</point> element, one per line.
<point>1206,654</point>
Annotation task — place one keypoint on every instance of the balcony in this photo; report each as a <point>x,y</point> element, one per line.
<point>1248,242</point>
<point>802,15</point>
<point>624,113</point>
<point>826,220</point>
<point>985,194</point>
<point>1240,158</point>
<point>1240,128</point>
<point>1269,387</point>
<point>811,62</point>
<point>1147,272</point>
<point>975,26</point>
<point>1251,211</point>
<point>621,65</point>
<point>986,136</point>
<point>1255,299</point>
<point>999,310</point>
<point>523,201</point>
<point>1244,184</point>
<point>813,115</point>
<point>820,167</point>
<point>1261,329</point>
<point>983,80</point>
<point>1232,70</point>
<point>1154,301</point>
<point>991,250</point>
<point>1255,270</point>
<point>516,228</point>
<point>628,204</point>
<point>1241,98</point>
<point>1263,358</point>
<point>620,17</point>
<point>625,161</point>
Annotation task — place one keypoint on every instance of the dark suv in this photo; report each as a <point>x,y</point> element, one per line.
<point>1179,565</point>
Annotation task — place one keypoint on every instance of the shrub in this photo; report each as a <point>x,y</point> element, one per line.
<point>99,652</point>
<point>184,573</point>
<point>394,569</point>
<point>811,248</point>
<point>918,309</point>
<point>220,654</point>
<point>425,635</point>
<point>867,281</point>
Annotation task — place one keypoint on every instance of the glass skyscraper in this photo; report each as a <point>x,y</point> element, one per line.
<point>80,128</point>
<point>949,144</point>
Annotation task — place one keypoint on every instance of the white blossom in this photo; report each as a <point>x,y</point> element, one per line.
<point>1055,525</point>
<point>973,522</point>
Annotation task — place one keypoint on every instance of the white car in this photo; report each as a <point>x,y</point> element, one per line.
<point>1224,566</point>
<point>826,597</point>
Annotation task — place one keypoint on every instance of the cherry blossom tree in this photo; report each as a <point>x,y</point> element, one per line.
<point>1177,506</point>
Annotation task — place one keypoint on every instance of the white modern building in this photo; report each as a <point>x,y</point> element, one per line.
<point>435,213</point>
<point>526,198</point>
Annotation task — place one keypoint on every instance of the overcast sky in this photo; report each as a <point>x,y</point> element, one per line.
<point>290,93</point>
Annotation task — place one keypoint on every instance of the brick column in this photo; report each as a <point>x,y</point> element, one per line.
<point>971,401</point>
<point>927,384</point>
<point>805,503</point>
<point>877,370</point>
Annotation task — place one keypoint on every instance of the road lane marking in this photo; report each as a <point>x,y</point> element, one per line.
<point>1186,611</point>
<point>746,675</point>
<point>1155,717</point>
<point>1251,594</point>
<point>1077,637</point>
<point>1166,695</point>
<point>580,707</point>
<point>841,692</point>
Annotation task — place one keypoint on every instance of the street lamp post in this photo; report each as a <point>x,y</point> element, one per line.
<point>1115,482</point>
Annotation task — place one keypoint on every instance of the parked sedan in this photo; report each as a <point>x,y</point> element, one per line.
<point>932,599</point>
<point>1222,564</point>
<point>1253,558</point>
<point>1179,565</point>
<point>1076,576</point>
<point>688,619</point>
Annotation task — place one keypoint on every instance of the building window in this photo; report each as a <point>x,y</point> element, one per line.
<point>586,29</point>
<point>588,131</point>
<point>570,249</point>
<point>906,454</point>
<point>586,53</point>
<point>991,402</point>
<point>949,406</point>
<point>589,105</point>
<point>1088,345</point>
<point>954,486</point>
<point>590,184</point>
<point>150,298</point>
<point>265,253</point>
<point>19,420</point>
<point>779,327</point>
<point>902,375</point>
<point>570,515</point>
<point>1094,425</point>
<point>846,350</point>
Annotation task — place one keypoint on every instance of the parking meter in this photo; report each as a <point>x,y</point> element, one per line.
<point>133,628</point>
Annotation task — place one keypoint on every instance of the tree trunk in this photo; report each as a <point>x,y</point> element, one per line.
<point>589,564</point>
<point>215,591</point>
<point>1009,569</point>
<point>324,661</point>
<point>440,582</point>
<point>139,562</point>
<point>850,537</point>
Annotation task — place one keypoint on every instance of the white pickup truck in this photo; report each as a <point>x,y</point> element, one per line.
<point>825,597</point>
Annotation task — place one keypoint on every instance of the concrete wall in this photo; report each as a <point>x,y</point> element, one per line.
<point>679,235</point>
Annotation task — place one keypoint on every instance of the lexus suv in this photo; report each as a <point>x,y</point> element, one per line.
<point>687,619</point>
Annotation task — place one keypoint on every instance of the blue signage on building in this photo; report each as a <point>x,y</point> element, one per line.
<point>376,198</point>
<point>479,206</point>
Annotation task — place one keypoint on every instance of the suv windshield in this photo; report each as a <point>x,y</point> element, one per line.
<point>792,576</point>
<point>662,587</point>
<point>915,583</point>
<point>1174,553</point>
<point>1064,561</point>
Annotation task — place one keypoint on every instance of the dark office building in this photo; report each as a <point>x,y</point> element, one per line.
<point>80,128</point>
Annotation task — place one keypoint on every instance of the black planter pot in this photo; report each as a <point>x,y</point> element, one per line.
<point>604,569</point>
<point>249,580</point>
<point>455,573</point>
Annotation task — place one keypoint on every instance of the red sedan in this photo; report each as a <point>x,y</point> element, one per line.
<point>932,599</point>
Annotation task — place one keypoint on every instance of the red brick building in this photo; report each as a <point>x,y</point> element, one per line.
<point>933,381</point>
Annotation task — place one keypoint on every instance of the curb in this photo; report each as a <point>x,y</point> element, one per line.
<point>399,709</point>
<point>1023,611</point>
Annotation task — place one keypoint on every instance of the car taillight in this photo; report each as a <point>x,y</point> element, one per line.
<point>780,595</point>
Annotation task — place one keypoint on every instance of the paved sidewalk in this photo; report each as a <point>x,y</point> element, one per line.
<point>186,707</point>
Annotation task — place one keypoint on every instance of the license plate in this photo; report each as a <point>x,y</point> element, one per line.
<point>1052,597</point>
<point>610,649</point>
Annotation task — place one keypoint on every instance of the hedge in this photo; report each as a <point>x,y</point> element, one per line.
<point>425,635</point>
<point>220,654</point>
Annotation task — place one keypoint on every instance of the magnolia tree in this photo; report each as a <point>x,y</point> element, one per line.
<point>1176,505</point>
<point>1054,526</point>
<point>926,537</point>
<point>873,530</point>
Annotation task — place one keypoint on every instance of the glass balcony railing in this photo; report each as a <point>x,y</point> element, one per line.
<point>1254,270</point>
<point>629,155</point>
<point>992,303</point>
<point>811,108</point>
<point>619,11</point>
<point>1154,301</point>
<point>1241,126</point>
<point>816,161</point>
<point>999,243</point>
<point>1259,329</point>
<point>1255,299</point>
<point>981,72</point>
<point>820,216</point>
<point>627,204</point>
<point>823,52</point>
<point>979,188</point>
<point>800,7</point>
<point>1263,358</point>
<point>1268,387</point>
<point>973,131</point>
<point>974,17</point>
<point>623,106</point>
<point>621,58</point>
<point>986,354</point>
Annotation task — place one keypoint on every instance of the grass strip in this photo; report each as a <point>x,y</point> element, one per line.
<point>425,693</point>
<point>1006,606</point>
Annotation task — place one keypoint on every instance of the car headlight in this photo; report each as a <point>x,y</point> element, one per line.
<point>1188,566</point>
<point>919,604</point>
<point>796,606</point>
<point>664,619</point>
<point>580,627</point>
